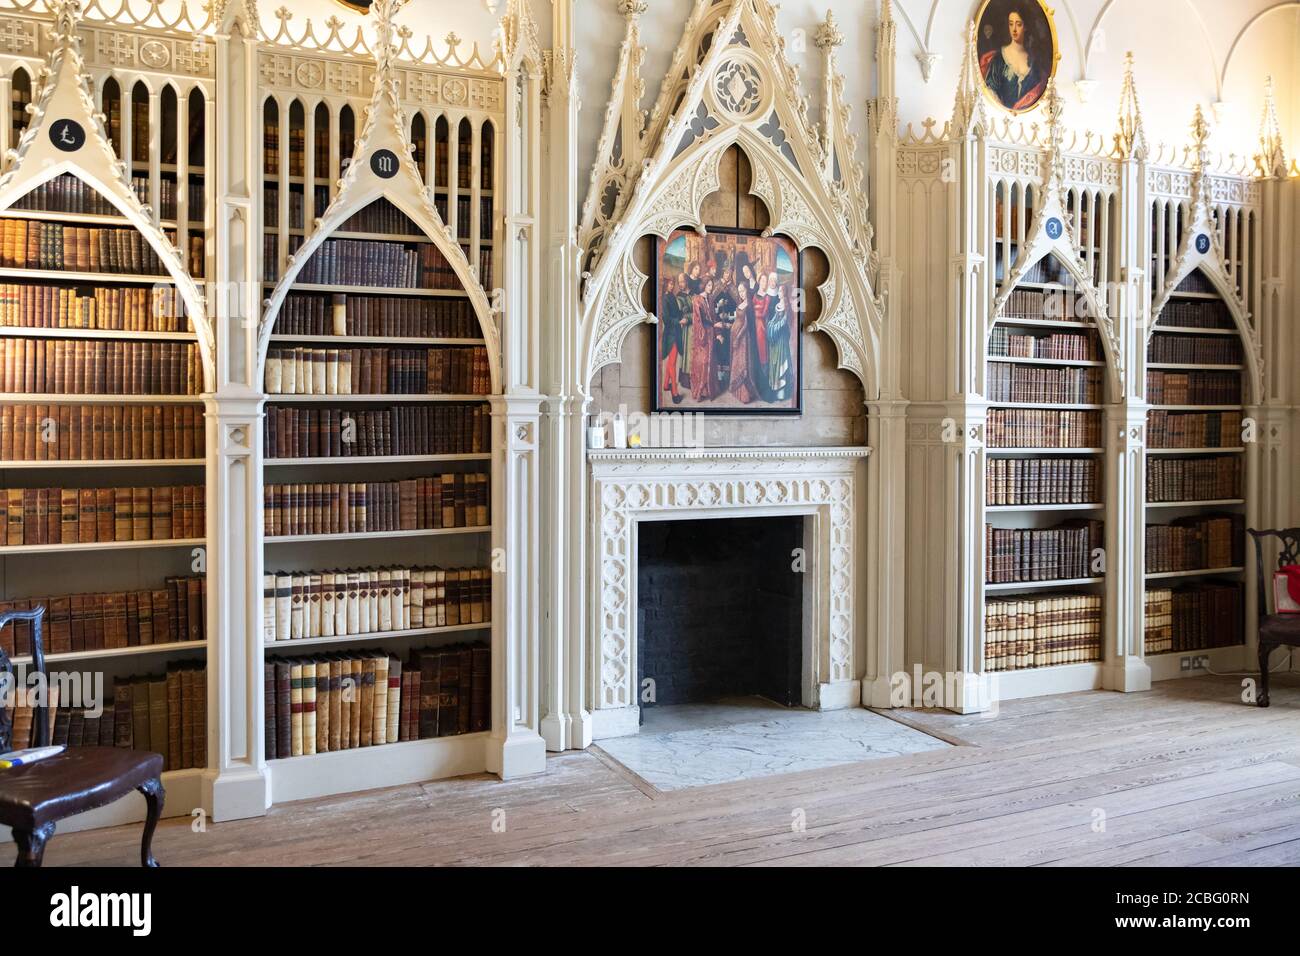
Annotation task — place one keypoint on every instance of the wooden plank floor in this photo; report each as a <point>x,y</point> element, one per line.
<point>1182,775</point>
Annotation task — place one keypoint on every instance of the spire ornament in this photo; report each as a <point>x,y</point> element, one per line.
<point>1271,161</point>
<point>968,115</point>
<point>1131,139</point>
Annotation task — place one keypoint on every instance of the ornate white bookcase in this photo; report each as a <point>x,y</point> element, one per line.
<point>210,112</point>
<point>992,202</point>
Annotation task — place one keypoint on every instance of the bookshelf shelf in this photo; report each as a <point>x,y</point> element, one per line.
<point>350,340</point>
<point>372,460</point>
<point>995,509</point>
<point>65,398</point>
<point>127,463</point>
<point>995,450</point>
<point>375,535</point>
<point>176,647</point>
<point>15,330</point>
<point>1043,585</point>
<point>1034,323</point>
<point>345,399</point>
<point>77,218</point>
<point>1197,356</point>
<point>397,292</point>
<point>376,636</point>
<point>1067,363</point>
<point>101,546</point>
<point>86,277</point>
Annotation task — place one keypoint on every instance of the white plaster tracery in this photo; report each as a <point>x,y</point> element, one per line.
<point>65,94</point>
<point>361,186</point>
<point>644,182</point>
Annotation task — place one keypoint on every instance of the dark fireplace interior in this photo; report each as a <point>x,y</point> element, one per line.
<point>720,609</point>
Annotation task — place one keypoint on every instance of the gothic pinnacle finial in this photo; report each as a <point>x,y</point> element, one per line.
<point>828,34</point>
<point>969,106</point>
<point>631,8</point>
<point>1272,155</point>
<point>66,15</point>
<point>385,11</point>
<point>1131,140</point>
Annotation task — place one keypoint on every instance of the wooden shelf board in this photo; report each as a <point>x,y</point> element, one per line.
<point>1196,504</point>
<point>29,333</point>
<point>376,535</point>
<point>25,398</point>
<point>346,340</point>
<point>177,647</point>
<point>59,275</point>
<point>1037,585</point>
<point>1196,451</point>
<point>1061,407</point>
<point>1199,572</point>
<point>1043,323</point>
<point>1006,509</point>
<point>347,399</point>
<point>102,546</point>
<point>1069,363</point>
<point>1045,451</point>
<point>377,636</point>
<point>127,463</point>
<point>373,290</point>
<point>372,460</point>
<point>1189,330</point>
<point>1194,367</point>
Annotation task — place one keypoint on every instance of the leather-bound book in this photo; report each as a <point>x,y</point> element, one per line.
<point>114,620</point>
<point>194,616</point>
<point>295,708</point>
<point>428,666</point>
<point>338,719</point>
<point>62,721</point>
<point>174,716</point>
<point>160,525</point>
<point>480,713</point>
<point>157,715</point>
<point>133,618</point>
<point>95,622</point>
<point>105,515</point>
<point>322,704</point>
<point>199,727</point>
<point>185,678</point>
<point>140,725</point>
<point>448,692</point>
<point>77,732</point>
<point>161,619</point>
<point>59,617</point>
<point>268,708</point>
<point>355,675</point>
<point>123,724</point>
<point>309,728</point>
<point>141,514</point>
<point>465,673</point>
<point>283,708</point>
<point>367,698</point>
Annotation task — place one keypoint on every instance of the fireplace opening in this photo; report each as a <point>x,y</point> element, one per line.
<point>720,610</point>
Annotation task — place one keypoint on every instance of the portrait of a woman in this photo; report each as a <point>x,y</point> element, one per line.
<point>1017,52</point>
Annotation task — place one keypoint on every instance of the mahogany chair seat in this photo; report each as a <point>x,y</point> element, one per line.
<point>35,797</point>
<point>1275,630</point>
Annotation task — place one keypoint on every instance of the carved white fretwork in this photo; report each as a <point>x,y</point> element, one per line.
<point>730,84</point>
<point>633,486</point>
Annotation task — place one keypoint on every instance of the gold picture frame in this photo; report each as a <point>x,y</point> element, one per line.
<point>356,6</point>
<point>1002,81</point>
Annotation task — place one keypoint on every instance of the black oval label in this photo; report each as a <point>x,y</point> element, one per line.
<point>67,135</point>
<point>384,164</point>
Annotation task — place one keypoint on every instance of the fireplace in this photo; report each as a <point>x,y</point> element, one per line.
<point>720,610</point>
<point>655,493</point>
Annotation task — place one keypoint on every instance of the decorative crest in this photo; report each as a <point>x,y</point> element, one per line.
<point>1131,140</point>
<point>828,34</point>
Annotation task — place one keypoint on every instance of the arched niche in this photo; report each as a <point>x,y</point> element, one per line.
<point>834,412</point>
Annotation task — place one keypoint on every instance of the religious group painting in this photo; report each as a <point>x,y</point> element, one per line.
<point>728,305</point>
<point>1016,42</point>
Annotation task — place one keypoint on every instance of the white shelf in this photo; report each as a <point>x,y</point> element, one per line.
<point>370,768</point>
<point>1196,451</point>
<point>1199,572</point>
<point>177,647</point>
<point>102,546</point>
<point>1189,330</point>
<point>30,333</point>
<point>373,290</point>
<point>65,398</point>
<point>376,535</point>
<point>1004,509</point>
<point>1047,406</point>
<point>278,399</point>
<point>1043,323</point>
<point>346,340</point>
<point>1044,681</point>
<point>1196,408</point>
<point>277,646</point>
<point>60,275</point>
<point>1068,363</point>
<point>372,460</point>
<point>1194,367</point>
<point>1045,451</point>
<point>1196,504</point>
<point>126,463</point>
<point>1205,296</point>
<point>82,218</point>
<point>1042,585</point>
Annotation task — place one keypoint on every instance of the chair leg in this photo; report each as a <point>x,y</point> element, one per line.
<point>31,845</point>
<point>153,796</point>
<point>1264,651</point>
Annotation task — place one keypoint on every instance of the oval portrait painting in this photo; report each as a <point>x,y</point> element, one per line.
<point>359,6</point>
<point>1016,43</point>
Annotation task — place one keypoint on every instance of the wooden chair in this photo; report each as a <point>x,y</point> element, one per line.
<point>1275,630</point>
<point>33,798</point>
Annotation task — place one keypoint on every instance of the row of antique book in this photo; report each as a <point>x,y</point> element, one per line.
<point>464,157</point>
<point>1194,617</point>
<point>453,500</point>
<point>1193,388</point>
<point>463,223</point>
<point>110,620</point>
<point>1065,552</point>
<point>1048,386</point>
<point>164,713</point>
<point>442,370</point>
<point>100,432</point>
<point>443,429</point>
<point>1193,479</point>
<point>1195,314</point>
<point>381,216</point>
<point>1042,631</point>
<point>113,308</point>
<point>53,246</point>
<point>340,314</point>
<point>1042,428</point>
<point>42,516</point>
<point>1063,346</point>
<point>1167,429</point>
<point>1194,349</point>
<point>99,367</point>
<point>1196,544</point>
<point>1043,481</point>
<point>67,193</point>
<point>301,605</point>
<point>271,205</point>
<point>1194,281</point>
<point>1057,305</point>
<point>169,197</point>
<point>352,699</point>
<point>363,262</point>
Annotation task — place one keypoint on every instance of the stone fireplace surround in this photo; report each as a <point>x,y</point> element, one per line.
<point>822,484</point>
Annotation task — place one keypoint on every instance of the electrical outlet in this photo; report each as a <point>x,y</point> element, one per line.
<point>1184,663</point>
<point>1201,663</point>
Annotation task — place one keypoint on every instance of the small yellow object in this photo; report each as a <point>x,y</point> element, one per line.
<point>634,441</point>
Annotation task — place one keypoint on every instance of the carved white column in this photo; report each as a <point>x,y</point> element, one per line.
<point>237,783</point>
<point>886,534</point>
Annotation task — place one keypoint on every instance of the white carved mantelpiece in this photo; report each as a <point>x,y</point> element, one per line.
<point>661,484</point>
